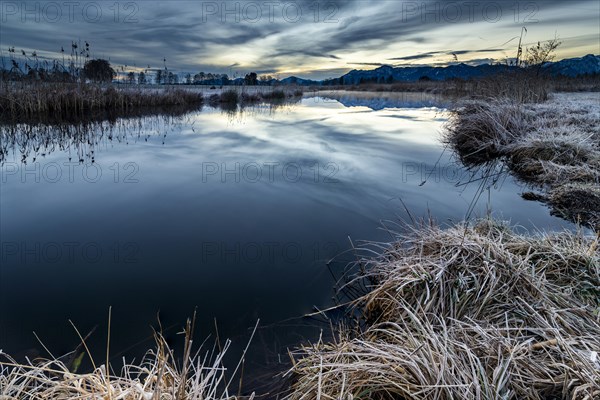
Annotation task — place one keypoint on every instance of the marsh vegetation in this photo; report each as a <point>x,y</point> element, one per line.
<point>83,102</point>
<point>554,146</point>
<point>475,311</point>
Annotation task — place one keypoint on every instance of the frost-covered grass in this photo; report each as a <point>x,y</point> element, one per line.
<point>554,145</point>
<point>200,375</point>
<point>470,312</point>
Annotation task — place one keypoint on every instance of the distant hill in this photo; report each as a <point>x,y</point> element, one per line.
<point>294,80</point>
<point>572,67</point>
<point>387,74</point>
<point>588,65</point>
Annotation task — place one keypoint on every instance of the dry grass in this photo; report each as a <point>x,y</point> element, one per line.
<point>233,97</point>
<point>23,101</point>
<point>480,131</point>
<point>577,202</point>
<point>521,86</point>
<point>467,313</point>
<point>589,83</point>
<point>548,145</point>
<point>159,376</point>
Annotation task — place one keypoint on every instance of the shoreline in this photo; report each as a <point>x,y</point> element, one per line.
<point>23,102</point>
<point>554,147</point>
<point>470,311</point>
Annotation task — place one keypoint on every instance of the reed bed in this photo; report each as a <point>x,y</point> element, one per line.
<point>234,97</point>
<point>159,376</point>
<point>554,146</point>
<point>20,101</point>
<point>469,312</point>
<point>523,86</point>
<point>520,86</point>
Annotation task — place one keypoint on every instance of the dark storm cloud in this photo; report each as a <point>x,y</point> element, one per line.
<point>415,56</point>
<point>446,53</point>
<point>367,63</point>
<point>302,52</point>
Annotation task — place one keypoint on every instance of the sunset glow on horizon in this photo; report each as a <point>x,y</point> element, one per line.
<point>305,38</point>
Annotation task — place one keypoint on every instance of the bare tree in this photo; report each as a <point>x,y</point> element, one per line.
<point>539,55</point>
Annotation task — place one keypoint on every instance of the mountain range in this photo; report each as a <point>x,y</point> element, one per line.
<point>572,67</point>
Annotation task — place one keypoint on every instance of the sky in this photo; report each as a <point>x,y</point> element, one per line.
<point>306,38</point>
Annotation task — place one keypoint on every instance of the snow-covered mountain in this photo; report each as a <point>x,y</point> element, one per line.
<point>572,67</point>
<point>386,74</point>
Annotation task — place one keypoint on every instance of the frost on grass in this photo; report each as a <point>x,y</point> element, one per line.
<point>553,145</point>
<point>200,375</point>
<point>468,313</point>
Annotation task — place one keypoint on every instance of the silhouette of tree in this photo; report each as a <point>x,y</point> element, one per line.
<point>199,78</point>
<point>159,76</point>
<point>98,71</point>
<point>172,79</point>
<point>251,79</point>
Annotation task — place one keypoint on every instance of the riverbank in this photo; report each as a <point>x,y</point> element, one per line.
<point>469,312</point>
<point>473,311</point>
<point>518,84</point>
<point>553,146</point>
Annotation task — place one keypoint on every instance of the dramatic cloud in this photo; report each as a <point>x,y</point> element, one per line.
<point>308,38</point>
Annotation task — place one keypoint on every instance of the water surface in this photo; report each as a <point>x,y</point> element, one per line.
<point>235,214</point>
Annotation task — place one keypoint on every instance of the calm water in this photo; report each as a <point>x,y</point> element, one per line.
<point>236,214</point>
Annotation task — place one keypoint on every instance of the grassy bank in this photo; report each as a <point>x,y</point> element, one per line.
<point>554,146</point>
<point>22,102</point>
<point>466,313</point>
